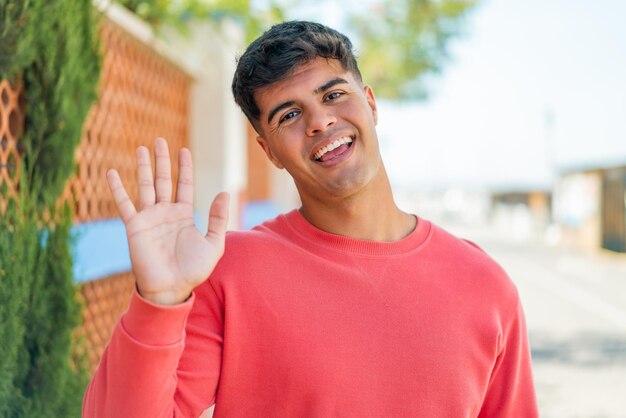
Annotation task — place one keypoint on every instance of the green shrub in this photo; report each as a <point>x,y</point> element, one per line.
<point>51,45</point>
<point>38,376</point>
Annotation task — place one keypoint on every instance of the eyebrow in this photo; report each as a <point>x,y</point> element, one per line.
<point>328,85</point>
<point>278,109</point>
<point>332,83</point>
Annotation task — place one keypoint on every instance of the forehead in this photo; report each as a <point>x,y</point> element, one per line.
<point>301,82</point>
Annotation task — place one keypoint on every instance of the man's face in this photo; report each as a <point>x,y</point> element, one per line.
<point>319,124</point>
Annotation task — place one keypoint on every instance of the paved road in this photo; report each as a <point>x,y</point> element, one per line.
<point>576,313</point>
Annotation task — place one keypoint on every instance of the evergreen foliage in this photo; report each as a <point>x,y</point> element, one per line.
<point>38,376</point>
<point>52,46</point>
<point>18,254</point>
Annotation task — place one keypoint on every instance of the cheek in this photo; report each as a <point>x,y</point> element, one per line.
<point>289,152</point>
<point>293,141</point>
<point>360,111</point>
<point>364,117</point>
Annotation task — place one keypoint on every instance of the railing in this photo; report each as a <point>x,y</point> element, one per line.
<point>142,96</point>
<point>11,127</point>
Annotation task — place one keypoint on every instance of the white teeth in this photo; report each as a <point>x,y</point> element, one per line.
<point>330,147</point>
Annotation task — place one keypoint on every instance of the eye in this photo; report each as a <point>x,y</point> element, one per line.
<point>289,115</point>
<point>334,95</point>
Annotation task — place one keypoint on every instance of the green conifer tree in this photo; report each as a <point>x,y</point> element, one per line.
<point>51,45</point>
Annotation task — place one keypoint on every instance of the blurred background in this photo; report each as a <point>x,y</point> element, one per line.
<point>502,121</point>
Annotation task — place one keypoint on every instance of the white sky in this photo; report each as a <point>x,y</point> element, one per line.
<point>520,64</point>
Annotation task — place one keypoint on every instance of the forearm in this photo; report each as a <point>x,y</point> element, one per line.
<point>137,373</point>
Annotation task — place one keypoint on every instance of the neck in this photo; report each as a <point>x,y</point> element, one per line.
<point>370,214</point>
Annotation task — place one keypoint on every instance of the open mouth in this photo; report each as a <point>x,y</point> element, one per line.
<point>334,149</point>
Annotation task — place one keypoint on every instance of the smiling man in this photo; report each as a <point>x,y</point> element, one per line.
<point>319,123</point>
<point>345,307</point>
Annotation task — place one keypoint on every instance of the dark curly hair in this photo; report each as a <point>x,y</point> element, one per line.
<point>279,51</point>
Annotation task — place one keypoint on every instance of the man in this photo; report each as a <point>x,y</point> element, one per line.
<point>347,307</point>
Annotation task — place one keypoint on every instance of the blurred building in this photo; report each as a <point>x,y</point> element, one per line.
<point>585,210</point>
<point>590,208</point>
<point>525,212</point>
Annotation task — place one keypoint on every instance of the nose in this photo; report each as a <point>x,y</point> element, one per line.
<point>319,120</point>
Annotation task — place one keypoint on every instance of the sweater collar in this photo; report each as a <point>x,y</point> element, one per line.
<point>313,235</point>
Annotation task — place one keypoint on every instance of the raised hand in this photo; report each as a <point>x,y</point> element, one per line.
<point>169,256</point>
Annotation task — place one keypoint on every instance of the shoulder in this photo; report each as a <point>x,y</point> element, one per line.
<point>247,253</point>
<point>273,232</point>
<point>473,268</point>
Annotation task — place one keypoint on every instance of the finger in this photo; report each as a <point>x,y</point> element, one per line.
<point>218,219</point>
<point>163,171</point>
<point>184,190</point>
<point>144,177</point>
<point>124,204</point>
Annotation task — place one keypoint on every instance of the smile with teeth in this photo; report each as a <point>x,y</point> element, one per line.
<point>344,140</point>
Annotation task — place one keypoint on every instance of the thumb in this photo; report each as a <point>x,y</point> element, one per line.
<point>218,218</point>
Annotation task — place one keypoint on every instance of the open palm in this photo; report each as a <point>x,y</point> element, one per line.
<point>169,256</point>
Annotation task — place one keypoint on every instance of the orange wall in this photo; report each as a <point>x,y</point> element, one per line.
<point>259,170</point>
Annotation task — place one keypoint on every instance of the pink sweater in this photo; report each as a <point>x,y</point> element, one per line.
<point>297,322</point>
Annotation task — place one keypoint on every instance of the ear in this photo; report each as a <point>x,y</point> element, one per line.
<point>266,148</point>
<point>369,95</point>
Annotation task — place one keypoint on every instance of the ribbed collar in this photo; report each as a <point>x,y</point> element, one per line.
<point>313,235</point>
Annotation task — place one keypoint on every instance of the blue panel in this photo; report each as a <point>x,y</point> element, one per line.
<point>256,212</point>
<point>100,249</point>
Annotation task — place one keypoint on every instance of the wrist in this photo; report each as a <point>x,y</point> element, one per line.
<point>165,298</point>
<point>154,324</point>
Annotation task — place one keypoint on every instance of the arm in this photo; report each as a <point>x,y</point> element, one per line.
<point>153,367</point>
<point>136,376</point>
<point>170,258</point>
<point>511,391</point>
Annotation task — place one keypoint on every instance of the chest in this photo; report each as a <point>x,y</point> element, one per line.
<point>389,334</point>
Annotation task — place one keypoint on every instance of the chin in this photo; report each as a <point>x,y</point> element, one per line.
<point>347,186</point>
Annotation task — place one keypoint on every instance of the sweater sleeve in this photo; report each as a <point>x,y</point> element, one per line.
<point>511,391</point>
<point>160,361</point>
